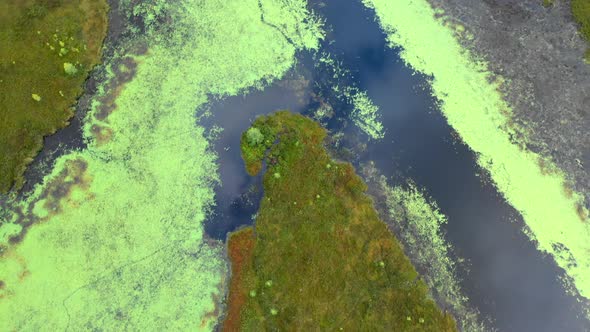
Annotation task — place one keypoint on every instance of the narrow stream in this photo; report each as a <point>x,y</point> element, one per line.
<point>507,279</point>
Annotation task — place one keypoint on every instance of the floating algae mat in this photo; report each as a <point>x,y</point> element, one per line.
<point>318,256</point>
<point>498,272</point>
<point>115,235</point>
<point>112,238</point>
<point>554,215</point>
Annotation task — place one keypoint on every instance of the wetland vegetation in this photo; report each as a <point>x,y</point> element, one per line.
<point>111,239</point>
<point>581,12</point>
<point>48,49</point>
<point>318,255</point>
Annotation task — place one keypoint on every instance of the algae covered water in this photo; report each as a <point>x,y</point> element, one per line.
<point>130,215</point>
<point>512,285</point>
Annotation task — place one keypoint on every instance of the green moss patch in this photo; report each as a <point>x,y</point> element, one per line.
<point>581,12</point>
<point>469,99</point>
<point>38,38</point>
<point>321,258</point>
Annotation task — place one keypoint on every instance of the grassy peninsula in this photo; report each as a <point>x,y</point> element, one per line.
<point>47,49</point>
<point>318,257</point>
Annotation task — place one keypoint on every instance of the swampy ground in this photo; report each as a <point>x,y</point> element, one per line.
<point>155,81</point>
<point>540,51</point>
<point>581,12</point>
<point>47,49</point>
<point>318,257</point>
<point>505,276</point>
<point>110,238</point>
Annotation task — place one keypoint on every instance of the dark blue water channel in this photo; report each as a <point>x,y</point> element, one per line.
<point>507,279</point>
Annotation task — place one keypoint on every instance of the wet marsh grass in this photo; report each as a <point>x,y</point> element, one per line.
<point>318,256</point>
<point>581,12</point>
<point>47,48</point>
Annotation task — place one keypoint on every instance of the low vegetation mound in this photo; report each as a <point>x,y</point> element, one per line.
<point>318,257</point>
<point>581,11</point>
<point>47,48</point>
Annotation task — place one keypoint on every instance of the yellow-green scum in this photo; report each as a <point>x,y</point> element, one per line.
<point>555,217</point>
<point>114,236</point>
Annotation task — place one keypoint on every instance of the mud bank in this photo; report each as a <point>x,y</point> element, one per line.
<point>539,51</point>
<point>472,101</point>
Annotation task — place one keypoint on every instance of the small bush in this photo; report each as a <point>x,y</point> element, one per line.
<point>254,136</point>
<point>70,69</point>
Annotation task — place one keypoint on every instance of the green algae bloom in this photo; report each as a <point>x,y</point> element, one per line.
<point>9,230</point>
<point>365,113</point>
<point>28,60</point>
<point>555,217</point>
<point>581,13</point>
<point>420,223</point>
<point>113,237</point>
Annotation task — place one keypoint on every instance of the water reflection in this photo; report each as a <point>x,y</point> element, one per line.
<point>506,278</point>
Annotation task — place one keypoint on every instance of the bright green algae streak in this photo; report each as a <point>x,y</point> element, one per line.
<point>365,114</point>
<point>118,241</point>
<point>553,215</point>
<point>420,222</point>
